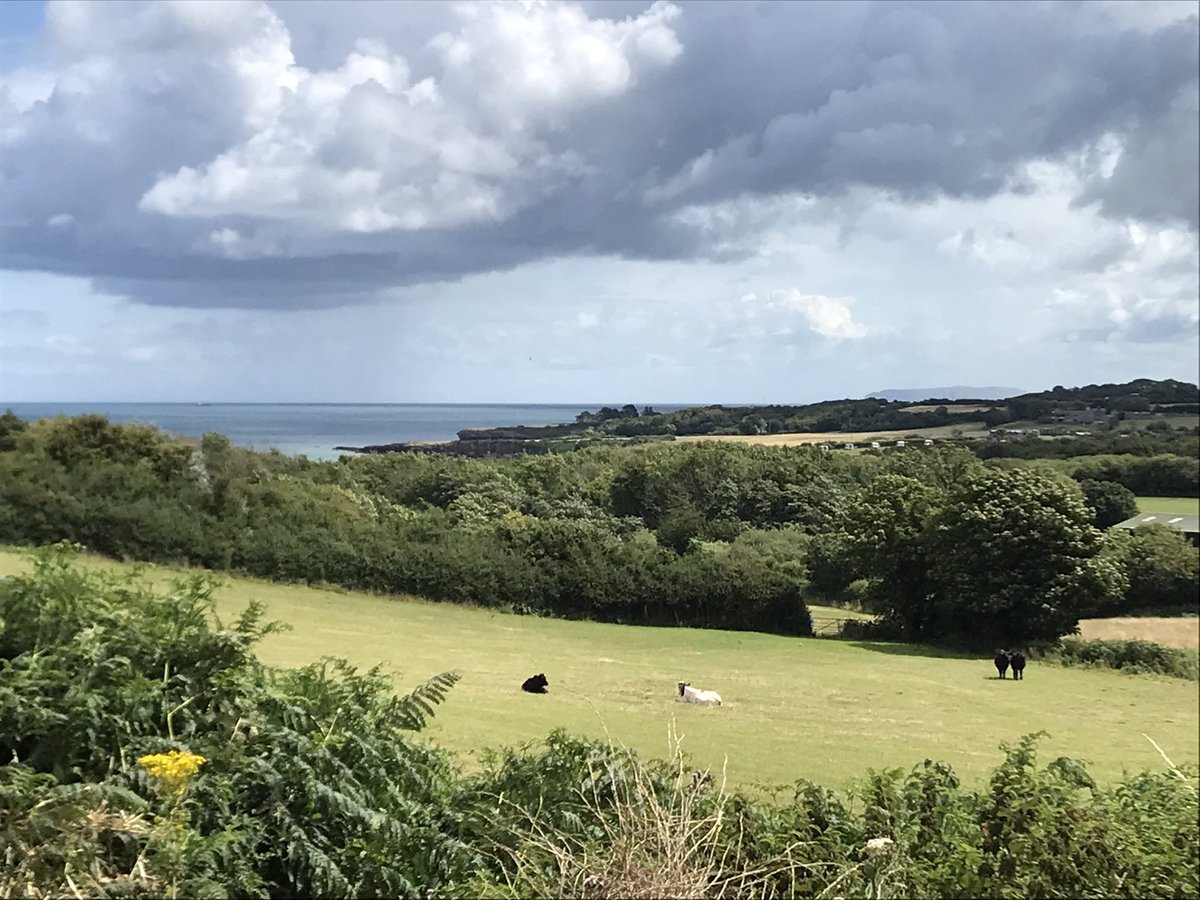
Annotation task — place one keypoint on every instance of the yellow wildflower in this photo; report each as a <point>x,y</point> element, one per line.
<point>172,770</point>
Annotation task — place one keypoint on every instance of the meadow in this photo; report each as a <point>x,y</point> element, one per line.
<point>826,710</point>
<point>1180,506</point>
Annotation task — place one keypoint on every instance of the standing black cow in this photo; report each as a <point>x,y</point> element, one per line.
<point>1018,665</point>
<point>1001,662</point>
<point>535,684</point>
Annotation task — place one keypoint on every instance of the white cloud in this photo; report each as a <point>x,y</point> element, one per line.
<point>1072,273</point>
<point>531,63</point>
<point>780,321</point>
<point>829,317</point>
<point>364,148</point>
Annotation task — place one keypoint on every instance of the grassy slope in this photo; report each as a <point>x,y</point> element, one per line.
<point>819,709</point>
<point>1180,506</point>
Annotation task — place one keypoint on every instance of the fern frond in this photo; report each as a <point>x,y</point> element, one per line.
<point>415,708</point>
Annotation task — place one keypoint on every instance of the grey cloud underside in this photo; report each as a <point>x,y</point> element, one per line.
<point>922,100</point>
<point>915,100</point>
<point>1155,179</point>
<point>1151,329</point>
<point>169,276</point>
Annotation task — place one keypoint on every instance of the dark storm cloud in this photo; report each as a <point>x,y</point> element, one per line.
<point>926,99</point>
<point>1155,178</point>
<point>164,164</point>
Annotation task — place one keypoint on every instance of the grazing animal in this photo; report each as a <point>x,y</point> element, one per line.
<point>1001,662</point>
<point>689,694</point>
<point>535,684</point>
<point>1018,665</point>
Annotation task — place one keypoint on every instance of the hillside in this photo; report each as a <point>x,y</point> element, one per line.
<point>959,406</point>
<point>955,392</point>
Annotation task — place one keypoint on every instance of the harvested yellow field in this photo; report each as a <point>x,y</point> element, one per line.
<point>972,430</point>
<point>952,408</point>
<point>1170,632</point>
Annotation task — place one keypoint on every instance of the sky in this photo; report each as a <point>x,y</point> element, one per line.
<point>617,201</point>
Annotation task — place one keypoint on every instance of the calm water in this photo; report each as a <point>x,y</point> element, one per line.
<point>314,429</point>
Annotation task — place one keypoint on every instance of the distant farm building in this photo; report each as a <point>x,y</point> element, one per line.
<point>1079,416</point>
<point>1189,525</point>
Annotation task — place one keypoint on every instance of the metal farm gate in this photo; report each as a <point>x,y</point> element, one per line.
<point>829,626</point>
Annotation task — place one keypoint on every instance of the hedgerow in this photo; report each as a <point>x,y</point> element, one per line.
<point>1130,657</point>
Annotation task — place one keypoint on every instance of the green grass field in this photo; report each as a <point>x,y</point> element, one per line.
<point>1180,506</point>
<point>813,708</point>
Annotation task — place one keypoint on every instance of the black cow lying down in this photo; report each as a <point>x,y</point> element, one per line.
<point>535,684</point>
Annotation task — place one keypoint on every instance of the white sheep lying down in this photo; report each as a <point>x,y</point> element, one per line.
<point>689,694</point>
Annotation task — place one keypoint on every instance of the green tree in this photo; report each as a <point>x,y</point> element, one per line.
<point>10,426</point>
<point>678,527</point>
<point>827,564</point>
<point>1111,502</point>
<point>1016,559</point>
<point>888,538</point>
<point>1162,566</point>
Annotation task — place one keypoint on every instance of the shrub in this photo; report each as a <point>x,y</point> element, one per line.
<point>1131,657</point>
<point>310,786</point>
<point>870,630</point>
<point>1111,502</point>
<point>583,819</point>
<point>1161,565</point>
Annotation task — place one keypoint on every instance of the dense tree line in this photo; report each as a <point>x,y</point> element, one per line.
<point>1182,443</point>
<point>530,534</point>
<point>730,536</point>
<point>1152,463</point>
<point>1165,392</point>
<point>1155,476</point>
<point>831,415</point>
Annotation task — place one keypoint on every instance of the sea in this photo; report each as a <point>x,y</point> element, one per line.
<point>314,429</point>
